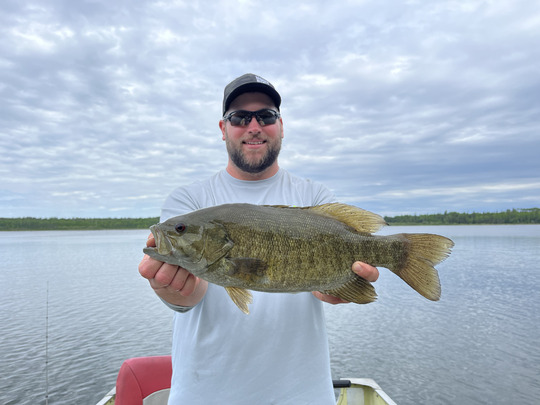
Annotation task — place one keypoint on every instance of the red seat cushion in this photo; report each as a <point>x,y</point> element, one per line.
<point>141,376</point>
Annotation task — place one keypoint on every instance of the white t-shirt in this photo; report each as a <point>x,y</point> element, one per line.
<point>278,354</point>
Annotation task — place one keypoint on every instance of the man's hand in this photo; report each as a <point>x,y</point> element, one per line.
<point>172,283</point>
<point>364,270</point>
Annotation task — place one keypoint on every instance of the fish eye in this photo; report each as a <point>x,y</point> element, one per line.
<point>180,228</point>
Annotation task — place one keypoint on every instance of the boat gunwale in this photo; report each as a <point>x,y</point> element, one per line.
<point>371,385</point>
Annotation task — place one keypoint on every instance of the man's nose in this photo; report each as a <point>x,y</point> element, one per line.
<point>254,125</point>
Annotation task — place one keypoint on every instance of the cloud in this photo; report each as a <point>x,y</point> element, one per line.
<point>406,107</point>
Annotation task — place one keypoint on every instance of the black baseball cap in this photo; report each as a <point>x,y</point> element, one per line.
<point>246,84</point>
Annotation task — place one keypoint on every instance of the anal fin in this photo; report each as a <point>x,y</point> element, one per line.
<point>357,290</point>
<point>241,297</point>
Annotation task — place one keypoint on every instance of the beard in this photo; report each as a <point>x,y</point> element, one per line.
<point>253,167</point>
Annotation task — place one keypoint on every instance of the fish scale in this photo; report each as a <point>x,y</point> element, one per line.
<point>283,248</point>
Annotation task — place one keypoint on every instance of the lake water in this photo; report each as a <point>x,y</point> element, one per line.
<point>478,345</point>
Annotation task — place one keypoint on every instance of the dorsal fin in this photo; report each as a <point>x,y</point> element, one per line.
<point>357,218</point>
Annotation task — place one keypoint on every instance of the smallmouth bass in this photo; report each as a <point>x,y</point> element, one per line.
<point>289,249</point>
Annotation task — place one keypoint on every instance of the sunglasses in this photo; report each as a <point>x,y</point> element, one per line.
<point>242,118</point>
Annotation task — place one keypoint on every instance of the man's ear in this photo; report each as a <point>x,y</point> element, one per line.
<point>223,129</point>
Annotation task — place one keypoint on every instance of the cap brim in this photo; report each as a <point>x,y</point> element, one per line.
<point>252,88</point>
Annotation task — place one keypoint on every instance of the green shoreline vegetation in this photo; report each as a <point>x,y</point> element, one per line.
<point>74,224</point>
<point>509,217</point>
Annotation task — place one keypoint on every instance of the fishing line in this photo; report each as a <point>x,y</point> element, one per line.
<point>47,347</point>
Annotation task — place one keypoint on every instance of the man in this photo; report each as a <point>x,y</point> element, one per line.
<point>278,354</point>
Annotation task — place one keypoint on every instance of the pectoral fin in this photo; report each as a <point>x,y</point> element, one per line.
<point>357,290</point>
<point>241,297</point>
<point>248,268</point>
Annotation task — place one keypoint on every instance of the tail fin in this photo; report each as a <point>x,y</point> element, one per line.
<point>424,251</point>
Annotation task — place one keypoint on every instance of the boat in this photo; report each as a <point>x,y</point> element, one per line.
<point>361,391</point>
<point>147,381</point>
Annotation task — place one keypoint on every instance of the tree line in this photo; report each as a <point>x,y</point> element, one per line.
<point>514,216</point>
<point>73,224</point>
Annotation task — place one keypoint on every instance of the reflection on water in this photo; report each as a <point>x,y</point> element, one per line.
<point>477,345</point>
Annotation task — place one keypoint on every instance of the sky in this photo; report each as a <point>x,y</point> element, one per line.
<point>399,107</point>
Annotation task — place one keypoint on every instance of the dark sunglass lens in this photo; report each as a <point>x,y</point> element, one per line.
<point>267,117</point>
<point>238,119</point>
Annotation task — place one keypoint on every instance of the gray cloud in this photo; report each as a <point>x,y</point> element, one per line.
<point>399,108</point>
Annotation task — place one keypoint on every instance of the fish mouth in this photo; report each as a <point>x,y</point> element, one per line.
<point>163,244</point>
